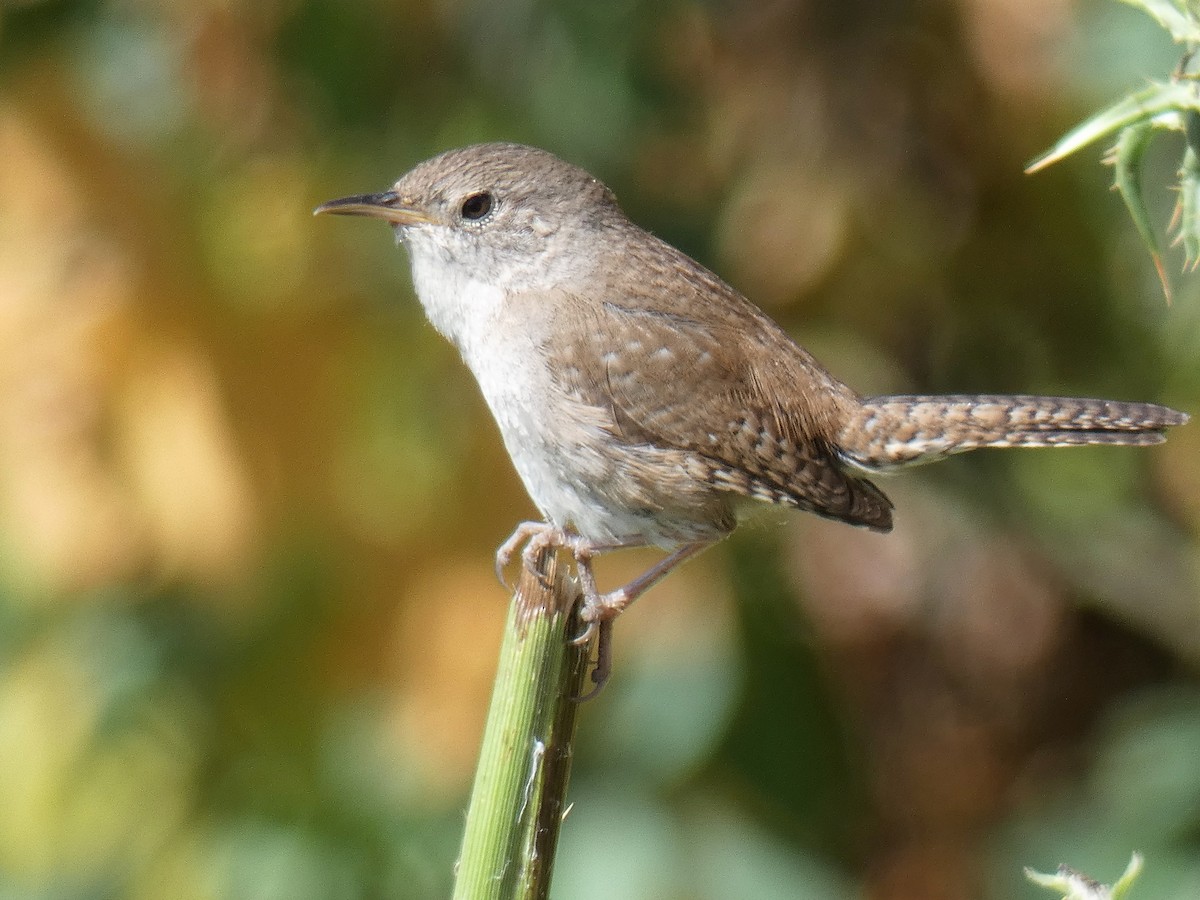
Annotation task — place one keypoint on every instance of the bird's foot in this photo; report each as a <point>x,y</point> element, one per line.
<point>597,611</point>
<point>537,536</point>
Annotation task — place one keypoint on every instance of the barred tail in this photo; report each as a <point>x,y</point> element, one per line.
<point>887,432</point>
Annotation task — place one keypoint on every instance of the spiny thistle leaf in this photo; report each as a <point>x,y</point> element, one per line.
<point>1078,886</point>
<point>1128,877</point>
<point>1175,16</point>
<point>1126,158</point>
<point>1188,209</point>
<point>1158,105</point>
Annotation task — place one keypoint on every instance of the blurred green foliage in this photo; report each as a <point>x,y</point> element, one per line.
<point>248,498</point>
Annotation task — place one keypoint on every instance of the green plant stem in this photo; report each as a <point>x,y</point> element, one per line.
<point>518,798</point>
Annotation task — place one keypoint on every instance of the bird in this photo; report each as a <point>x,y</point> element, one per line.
<point>642,399</point>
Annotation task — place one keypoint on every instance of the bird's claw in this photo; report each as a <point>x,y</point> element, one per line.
<point>602,668</point>
<point>526,533</point>
<point>598,611</point>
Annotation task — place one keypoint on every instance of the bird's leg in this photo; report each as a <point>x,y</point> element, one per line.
<point>598,610</point>
<point>599,607</point>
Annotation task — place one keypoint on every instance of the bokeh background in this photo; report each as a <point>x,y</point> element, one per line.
<point>248,498</point>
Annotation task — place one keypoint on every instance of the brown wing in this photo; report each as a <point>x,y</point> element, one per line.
<point>736,393</point>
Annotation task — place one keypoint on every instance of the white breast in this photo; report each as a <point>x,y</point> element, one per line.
<point>556,443</point>
<point>507,364</point>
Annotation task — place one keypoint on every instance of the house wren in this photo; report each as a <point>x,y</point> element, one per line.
<point>640,397</point>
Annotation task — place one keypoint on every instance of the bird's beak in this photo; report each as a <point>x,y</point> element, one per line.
<point>387,206</point>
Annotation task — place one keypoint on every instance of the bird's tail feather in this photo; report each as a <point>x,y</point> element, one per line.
<point>888,432</point>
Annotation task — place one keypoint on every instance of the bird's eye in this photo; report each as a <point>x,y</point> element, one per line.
<point>477,205</point>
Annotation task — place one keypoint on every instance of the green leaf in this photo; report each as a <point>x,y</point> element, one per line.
<point>1126,157</point>
<point>1173,15</point>
<point>1188,209</point>
<point>1160,105</point>
<point>1125,882</point>
<point>1075,885</point>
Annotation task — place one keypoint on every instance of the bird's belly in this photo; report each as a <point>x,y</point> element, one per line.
<point>581,476</point>
<point>614,494</point>
<point>575,466</point>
